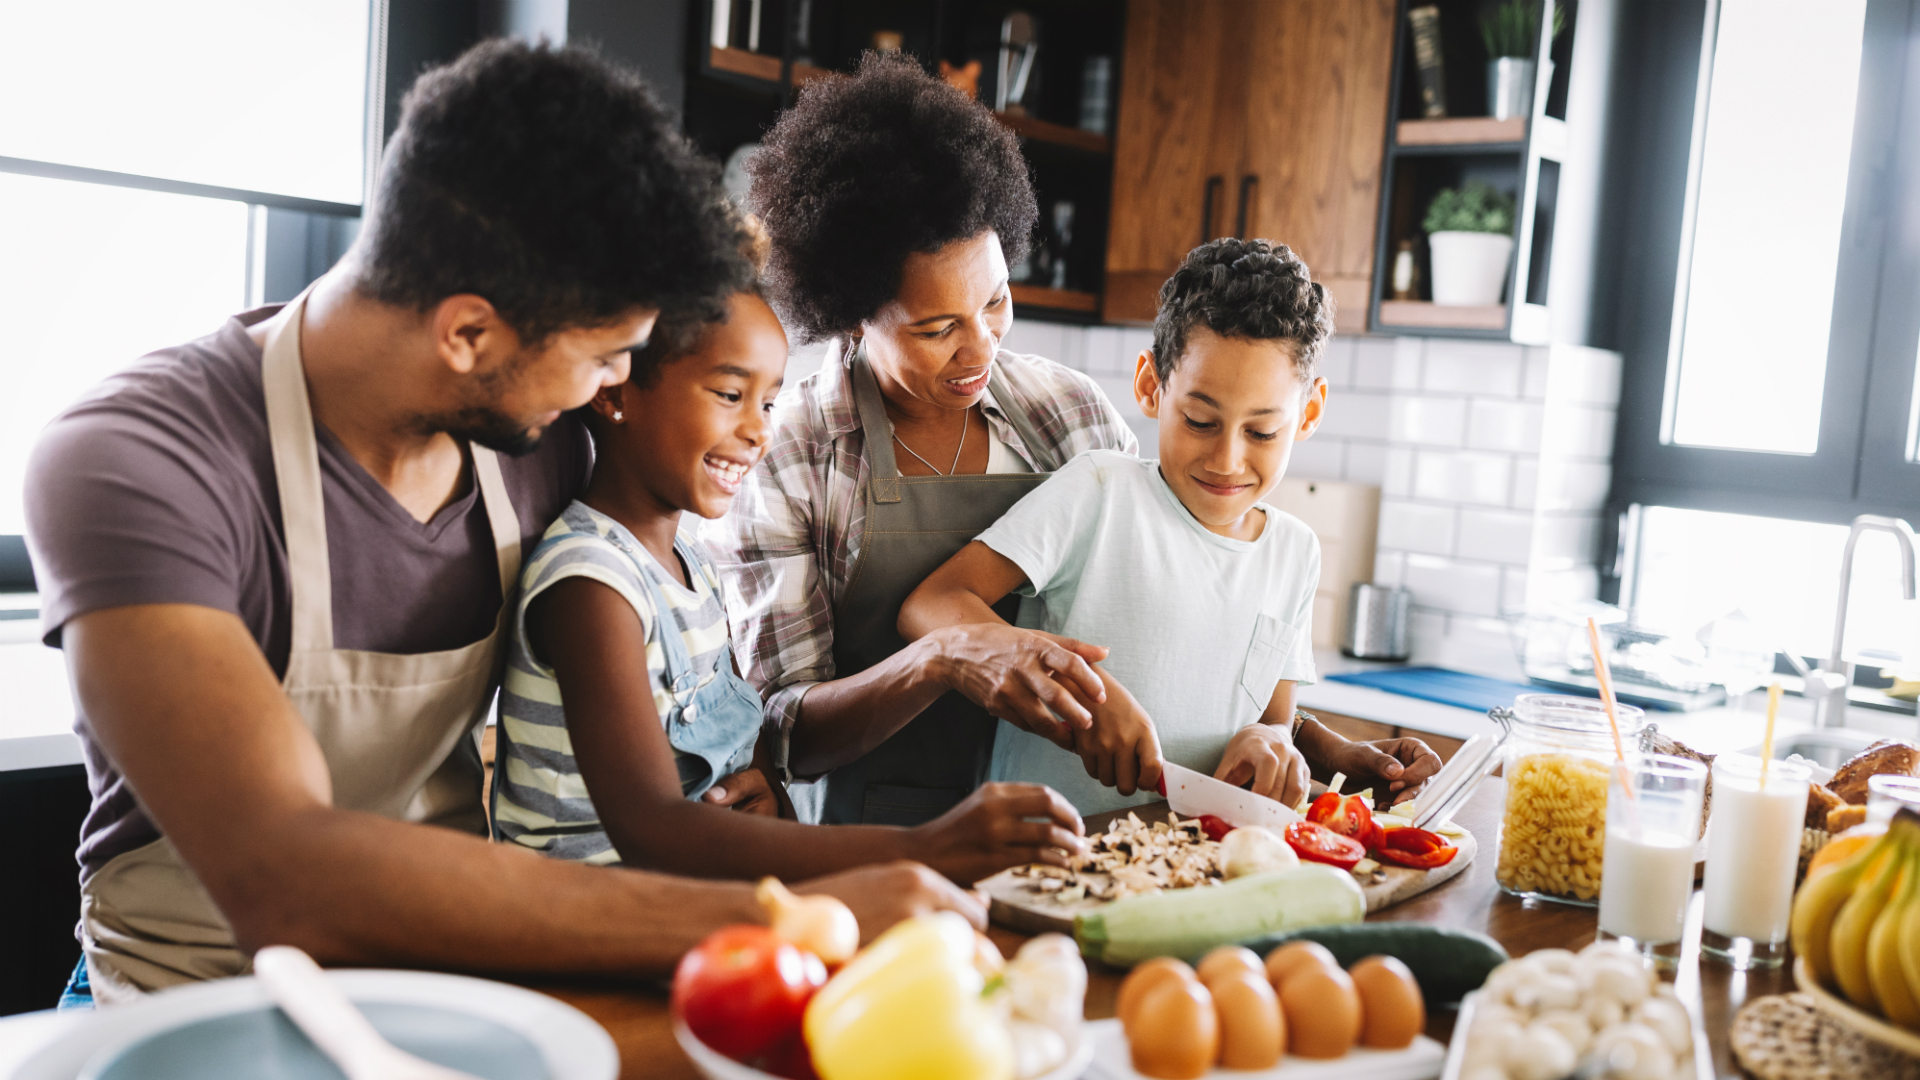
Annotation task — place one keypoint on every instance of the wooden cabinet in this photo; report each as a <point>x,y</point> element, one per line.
<point>1242,118</point>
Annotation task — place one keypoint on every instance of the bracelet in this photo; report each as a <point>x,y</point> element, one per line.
<point>1300,719</point>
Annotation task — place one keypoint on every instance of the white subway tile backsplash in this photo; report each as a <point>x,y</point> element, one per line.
<point>1563,541</point>
<point>1513,590</point>
<point>1453,585</point>
<point>1416,527</point>
<point>1473,367</point>
<point>1526,483</point>
<point>1428,421</point>
<point>1387,363</point>
<point>1358,415</point>
<point>1336,361</point>
<point>1502,536</point>
<point>1318,459</point>
<point>1582,375</point>
<point>1462,477</point>
<point>1551,588</point>
<point>1533,385</point>
<point>1398,481</point>
<point>1513,426</point>
<point>1579,431</point>
<point>1388,566</point>
<point>1367,463</point>
<point>1574,485</point>
<point>1055,341</point>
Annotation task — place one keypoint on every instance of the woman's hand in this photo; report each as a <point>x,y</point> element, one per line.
<point>1394,768</point>
<point>1021,676</point>
<point>992,830</point>
<point>887,893</point>
<point>747,791</point>
<point>1265,754</point>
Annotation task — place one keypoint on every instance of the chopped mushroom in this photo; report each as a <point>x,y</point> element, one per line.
<point>1132,858</point>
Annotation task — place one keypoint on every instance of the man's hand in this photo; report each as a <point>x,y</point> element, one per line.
<point>998,826</point>
<point>1395,768</point>
<point>1022,676</point>
<point>1265,754</point>
<point>883,895</point>
<point>1121,749</point>
<point>747,791</point>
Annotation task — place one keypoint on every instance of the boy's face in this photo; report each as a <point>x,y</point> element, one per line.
<point>690,437</point>
<point>1229,415</point>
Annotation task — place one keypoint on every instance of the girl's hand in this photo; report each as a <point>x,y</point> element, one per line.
<point>998,826</point>
<point>1394,768</point>
<point>1265,754</point>
<point>748,791</point>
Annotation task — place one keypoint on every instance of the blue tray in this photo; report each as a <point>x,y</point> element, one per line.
<point>1457,688</point>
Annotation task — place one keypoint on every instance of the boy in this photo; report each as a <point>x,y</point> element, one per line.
<point>1203,593</point>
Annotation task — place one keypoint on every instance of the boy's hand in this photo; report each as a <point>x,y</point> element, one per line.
<point>1022,676</point>
<point>1396,768</point>
<point>1121,749</point>
<point>748,791</point>
<point>883,895</point>
<point>1265,754</point>
<point>998,826</point>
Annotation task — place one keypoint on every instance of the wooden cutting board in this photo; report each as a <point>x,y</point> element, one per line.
<point>1017,905</point>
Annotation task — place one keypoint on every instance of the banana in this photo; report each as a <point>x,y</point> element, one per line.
<point>1820,899</point>
<point>1909,944</point>
<point>1855,921</point>
<point>1885,971</point>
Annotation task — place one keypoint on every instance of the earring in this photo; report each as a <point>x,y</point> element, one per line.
<point>618,416</point>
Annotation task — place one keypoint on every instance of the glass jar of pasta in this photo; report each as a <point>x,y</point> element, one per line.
<point>1553,832</point>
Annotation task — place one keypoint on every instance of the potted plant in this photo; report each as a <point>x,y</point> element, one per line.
<point>1470,236</point>
<point>1511,33</point>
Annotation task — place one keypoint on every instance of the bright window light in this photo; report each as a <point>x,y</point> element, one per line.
<point>1766,242</point>
<point>1692,567</point>
<point>260,96</point>
<point>91,279</point>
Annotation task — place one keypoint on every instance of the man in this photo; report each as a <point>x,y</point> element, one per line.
<point>276,558</point>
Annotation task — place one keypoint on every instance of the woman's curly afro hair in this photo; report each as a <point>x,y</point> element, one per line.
<point>1244,289</point>
<point>862,172</point>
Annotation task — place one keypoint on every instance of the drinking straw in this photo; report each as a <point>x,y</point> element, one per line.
<point>1606,698</point>
<point>1766,744</point>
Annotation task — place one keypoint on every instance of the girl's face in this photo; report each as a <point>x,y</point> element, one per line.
<point>690,436</point>
<point>932,345</point>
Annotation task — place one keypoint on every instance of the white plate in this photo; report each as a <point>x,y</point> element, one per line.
<point>1421,1061</point>
<point>717,1066</point>
<point>572,1044</point>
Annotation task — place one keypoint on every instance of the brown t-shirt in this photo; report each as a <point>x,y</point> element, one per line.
<point>157,487</point>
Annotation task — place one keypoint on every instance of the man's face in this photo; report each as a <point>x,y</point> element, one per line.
<point>516,398</point>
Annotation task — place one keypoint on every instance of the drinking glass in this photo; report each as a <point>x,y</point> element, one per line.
<point>1653,827</point>
<point>1753,851</point>
<point>1887,793</point>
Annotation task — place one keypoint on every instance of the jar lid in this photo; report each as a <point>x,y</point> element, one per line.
<point>1577,714</point>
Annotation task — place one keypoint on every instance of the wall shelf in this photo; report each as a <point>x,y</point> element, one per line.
<point>1058,134</point>
<point>1427,315</point>
<point>1054,299</point>
<point>1461,130</point>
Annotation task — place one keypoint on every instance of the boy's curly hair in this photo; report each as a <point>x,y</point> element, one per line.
<point>1245,289</point>
<point>549,181</point>
<point>862,172</point>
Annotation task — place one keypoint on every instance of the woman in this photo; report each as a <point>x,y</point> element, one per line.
<point>895,205</point>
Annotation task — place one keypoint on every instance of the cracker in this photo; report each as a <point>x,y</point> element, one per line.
<point>1787,1037</point>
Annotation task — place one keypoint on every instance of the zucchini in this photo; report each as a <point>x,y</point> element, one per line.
<point>1187,922</point>
<point>1448,964</point>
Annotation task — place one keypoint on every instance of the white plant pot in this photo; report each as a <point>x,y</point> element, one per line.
<point>1469,268</point>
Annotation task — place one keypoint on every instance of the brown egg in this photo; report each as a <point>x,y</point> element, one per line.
<point>1291,957</point>
<point>1228,959</point>
<point>1175,1033</point>
<point>1323,1012</point>
<point>1390,1007</point>
<point>1253,1035</point>
<point>1144,978</point>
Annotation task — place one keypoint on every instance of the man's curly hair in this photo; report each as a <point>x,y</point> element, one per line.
<point>550,182</point>
<point>1245,289</point>
<point>862,172</point>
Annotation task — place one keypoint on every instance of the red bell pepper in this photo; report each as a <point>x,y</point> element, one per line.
<point>1348,815</point>
<point>1415,848</point>
<point>1317,843</point>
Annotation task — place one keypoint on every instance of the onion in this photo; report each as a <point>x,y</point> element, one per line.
<point>821,925</point>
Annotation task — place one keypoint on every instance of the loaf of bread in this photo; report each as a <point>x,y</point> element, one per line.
<point>1821,802</point>
<point>1886,757</point>
<point>1844,817</point>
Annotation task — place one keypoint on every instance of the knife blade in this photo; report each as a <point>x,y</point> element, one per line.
<point>1195,794</point>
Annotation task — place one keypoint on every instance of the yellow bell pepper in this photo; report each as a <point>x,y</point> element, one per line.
<point>909,1006</point>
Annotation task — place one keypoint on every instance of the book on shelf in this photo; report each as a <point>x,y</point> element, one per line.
<point>1424,23</point>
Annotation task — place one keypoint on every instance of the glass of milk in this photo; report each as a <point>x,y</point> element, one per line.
<point>1753,851</point>
<point>1653,826</point>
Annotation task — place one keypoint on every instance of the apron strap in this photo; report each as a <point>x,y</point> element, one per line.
<point>501,518</point>
<point>883,472</point>
<point>1021,423</point>
<point>296,469</point>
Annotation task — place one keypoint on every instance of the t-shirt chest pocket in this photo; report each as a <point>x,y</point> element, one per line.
<point>1266,655</point>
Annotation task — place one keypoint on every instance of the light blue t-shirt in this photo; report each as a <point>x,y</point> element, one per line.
<point>1201,627</point>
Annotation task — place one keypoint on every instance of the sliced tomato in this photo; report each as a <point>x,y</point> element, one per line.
<point>1317,843</point>
<point>1347,815</point>
<point>1415,848</point>
<point>1216,828</point>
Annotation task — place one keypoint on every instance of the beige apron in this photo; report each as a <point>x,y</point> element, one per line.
<point>400,732</point>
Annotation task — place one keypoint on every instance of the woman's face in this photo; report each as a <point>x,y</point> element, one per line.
<point>933,344</point>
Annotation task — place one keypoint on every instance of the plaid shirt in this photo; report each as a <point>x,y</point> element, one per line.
<point>789,544</point>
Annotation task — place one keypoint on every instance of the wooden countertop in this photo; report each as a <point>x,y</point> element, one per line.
<point>637,1016</point>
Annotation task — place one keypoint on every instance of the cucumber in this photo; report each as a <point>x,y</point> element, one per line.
<point>1448,964</point>
<point>1187,922</point>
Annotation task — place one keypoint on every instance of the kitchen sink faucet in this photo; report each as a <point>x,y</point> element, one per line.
<point>1831,710</point>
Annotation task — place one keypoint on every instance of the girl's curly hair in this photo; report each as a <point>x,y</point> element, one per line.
<point>1245,289</point>
<point>862,172</point>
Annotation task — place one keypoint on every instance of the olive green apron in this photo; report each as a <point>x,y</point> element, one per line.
<point>400,733</point>
<point>913,525</point>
